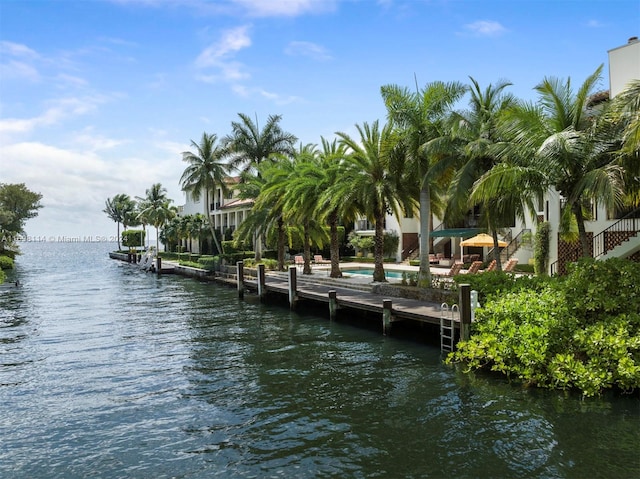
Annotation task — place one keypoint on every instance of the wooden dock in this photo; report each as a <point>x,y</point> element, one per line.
<point>340,295</point>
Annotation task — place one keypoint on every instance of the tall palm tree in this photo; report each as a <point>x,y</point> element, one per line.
<point>624,112</point>
<point>421,115</point>
<point>574,150</point>
<point>206,170</point>
<point>302,189</point>
<point>329,173</point>
<point>374,167</point>
<point>156,209</point>
<point>119,209</point>
<point>247,146</point>
<point>476,133</point>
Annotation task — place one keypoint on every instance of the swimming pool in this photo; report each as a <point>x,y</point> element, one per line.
<point>388,273</point>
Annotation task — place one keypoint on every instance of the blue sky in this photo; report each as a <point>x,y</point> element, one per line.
<point>101,97</point>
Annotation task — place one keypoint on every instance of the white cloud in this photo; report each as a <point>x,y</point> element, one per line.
<point>307,49</point>
<point>595,24</point>
<point>17,50</point>
<point>219,57</point>
<point>76,182</point>
<point>58,111</point>
<point>485,28</point>
<point>18,61</point>
<point>285,8</point>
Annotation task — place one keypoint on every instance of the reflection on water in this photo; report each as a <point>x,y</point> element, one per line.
<point>106,371</point>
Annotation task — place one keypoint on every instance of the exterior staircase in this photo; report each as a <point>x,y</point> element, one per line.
<point>619,240</point>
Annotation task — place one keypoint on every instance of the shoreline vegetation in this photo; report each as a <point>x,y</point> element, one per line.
<point>17,205</point>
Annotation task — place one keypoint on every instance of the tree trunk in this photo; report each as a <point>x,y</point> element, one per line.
<point>582,232</point>
<point>424,273</point>
<point>378,248</point>
<point>281,243</point>
<point>307,249</point>
<point>496,250</point>
<point>335,246</point>
<point>119,236</point>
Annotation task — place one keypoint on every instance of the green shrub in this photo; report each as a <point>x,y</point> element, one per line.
<point>270,264</point>
<point>133,238</point>
<point>595,289</point>
<point>567,334</point>
<point>492,283</point>
<point>191,264</point>
<point>541,248</point>
<point>2,276</point>
<point>6,262</point>
<point>208,262</point>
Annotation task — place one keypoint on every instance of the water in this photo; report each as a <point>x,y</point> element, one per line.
<point>109,372</point>
<point>388,273</point>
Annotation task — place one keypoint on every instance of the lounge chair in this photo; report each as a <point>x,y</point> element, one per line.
<point>510,266</point>
<point>318,259</point>
<point>492,266</point>
<point>475,267</point>
<point>298,260</point>
<point>455,269</point>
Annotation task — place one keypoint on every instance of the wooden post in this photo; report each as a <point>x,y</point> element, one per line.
<point>293,287</point>
<point>386,316</point>
<point>333,304</point>
<point>465,311</point>
<point>159,265</point>
<point>240,276</point>
<point>128,257</point>
<point>262,288</point>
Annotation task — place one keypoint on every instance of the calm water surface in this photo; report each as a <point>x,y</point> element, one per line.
<point>109,372</point>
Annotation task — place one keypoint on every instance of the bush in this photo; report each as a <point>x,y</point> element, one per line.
<point>270,264</point>
<point>6,262</point>
<point>493,283</point>
<point>563,333</point>
<point>208,262</point>
<point>133,238</point>
<point>2,276</point>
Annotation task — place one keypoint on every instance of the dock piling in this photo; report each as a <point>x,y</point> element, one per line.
<point>333,304</point>
<point>240,276</point>
<point>159,265</point>
<point>262,288</point>
<point>293,287</point>
<point>386,316</point>
<point>465,311</point>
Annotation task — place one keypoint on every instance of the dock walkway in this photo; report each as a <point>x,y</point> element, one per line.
<point>350,297</point>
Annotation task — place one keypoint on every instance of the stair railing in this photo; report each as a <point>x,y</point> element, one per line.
<point>628,226</point>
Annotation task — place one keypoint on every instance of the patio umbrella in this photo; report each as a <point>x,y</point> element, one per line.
<point>482,239</point>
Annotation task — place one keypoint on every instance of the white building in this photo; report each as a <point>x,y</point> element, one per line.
<point>227,211</point>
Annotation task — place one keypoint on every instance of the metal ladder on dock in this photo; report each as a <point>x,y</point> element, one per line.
<point>448,318</point>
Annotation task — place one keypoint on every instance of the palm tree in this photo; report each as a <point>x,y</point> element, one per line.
<point>372,180</point>
<point>206,170</point>
<point>302,189</point>
<point>119,209</point>
<point>421,116</point>
<point>625,113</point>
<point>476,133</point>
<point>156,209</point>
<point>574,151</point>
<point>329,173</point>
<point>247,146</point>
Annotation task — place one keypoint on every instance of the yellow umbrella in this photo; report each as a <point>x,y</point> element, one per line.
<point>482,239</point>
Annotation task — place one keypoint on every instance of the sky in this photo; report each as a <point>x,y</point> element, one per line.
<point>101,97</point>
